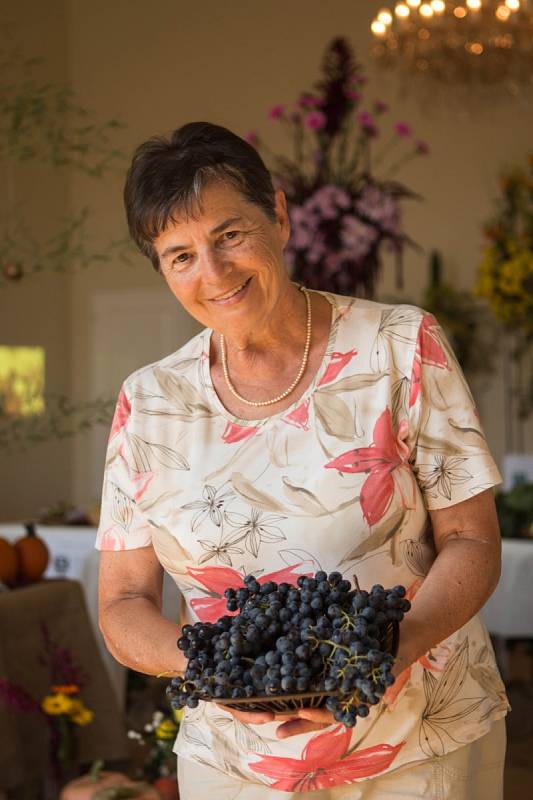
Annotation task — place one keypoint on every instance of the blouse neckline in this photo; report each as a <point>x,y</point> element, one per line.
<point>221,408</point>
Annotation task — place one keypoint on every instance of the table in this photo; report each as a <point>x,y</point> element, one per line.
<point>72,555</point>
<point>60,606</point>
<point>509,612</point>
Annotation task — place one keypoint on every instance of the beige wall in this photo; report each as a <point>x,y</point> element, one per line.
<point>36,311</point>
<point>157,65</point>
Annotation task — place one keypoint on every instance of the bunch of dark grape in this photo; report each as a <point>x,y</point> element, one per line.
<point>319,636</point>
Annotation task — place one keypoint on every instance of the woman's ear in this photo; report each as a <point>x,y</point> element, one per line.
<point>282,216</point>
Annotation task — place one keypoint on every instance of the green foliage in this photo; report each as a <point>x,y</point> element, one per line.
<point>515,511</point>
<point>62,419</point>
<point>42,121</point>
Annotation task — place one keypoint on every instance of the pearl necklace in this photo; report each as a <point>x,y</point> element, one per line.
<point>295,382</point>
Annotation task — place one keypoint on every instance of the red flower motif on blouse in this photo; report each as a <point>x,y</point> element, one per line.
<point>428,351</point>
<point>122,413</point>
<point>216,579</point>
<point>323,764</point>
<point>300,416</point>
<point>337,362</point>
<point>236,433</point>
<point>386,461</point>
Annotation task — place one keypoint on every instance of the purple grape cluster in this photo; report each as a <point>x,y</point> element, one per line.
<point>319,636</point>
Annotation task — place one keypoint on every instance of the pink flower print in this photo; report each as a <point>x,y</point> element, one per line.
<point>110,540</point>
<point>122,413</point>
<point>300,416</point>
<point>336,364</point>
<point>236,433</point>
<point>216,579</point>
<point>428,351</point>
<point>276,111</point>
<point>385,460</point>
<point>437,658</point>
<point>324,764</point>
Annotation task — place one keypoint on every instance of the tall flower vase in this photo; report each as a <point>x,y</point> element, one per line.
<point>63,757</point>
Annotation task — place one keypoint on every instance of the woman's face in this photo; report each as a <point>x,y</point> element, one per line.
<point>226,266</point>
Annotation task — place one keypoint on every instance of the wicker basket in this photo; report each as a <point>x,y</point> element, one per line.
<point>291,702</point>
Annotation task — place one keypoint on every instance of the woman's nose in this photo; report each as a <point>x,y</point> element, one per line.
<point>214,265</point>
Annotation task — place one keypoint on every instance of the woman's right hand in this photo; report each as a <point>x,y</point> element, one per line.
<point>256,717</point>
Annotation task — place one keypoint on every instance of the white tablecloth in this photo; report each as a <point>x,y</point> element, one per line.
<point>72,555</point>
<point>509,612</point>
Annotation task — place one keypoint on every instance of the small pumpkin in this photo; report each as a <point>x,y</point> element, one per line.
<point>87,786</point>
<point>167,788</point>
<point>32,554</point>
<point>9,566</point>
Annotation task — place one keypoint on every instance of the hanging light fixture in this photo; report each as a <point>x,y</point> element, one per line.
<point>469,44</point>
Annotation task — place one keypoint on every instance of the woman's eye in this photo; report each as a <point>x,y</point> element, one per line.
<point>232,235</point>
<point>181,259</point>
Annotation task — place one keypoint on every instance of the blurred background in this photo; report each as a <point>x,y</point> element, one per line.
<point>425,111</point>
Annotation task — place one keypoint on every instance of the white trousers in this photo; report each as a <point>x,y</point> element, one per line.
<point>472,772</point>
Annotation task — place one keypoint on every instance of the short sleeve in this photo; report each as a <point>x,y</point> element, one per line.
<point>449,453</point>
<point>122,523</point>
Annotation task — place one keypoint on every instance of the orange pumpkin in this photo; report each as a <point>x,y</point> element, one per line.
<point>167,788</point>
<point>85,788</point>
<point>32,555</point>
<point>8,563</point>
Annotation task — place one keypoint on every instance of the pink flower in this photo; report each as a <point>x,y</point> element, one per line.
<point>367,123</point>
<point>299,417</point>
<point>403,130</point>
<point>122,413</point>
<point>251,137</point>
<point>380,107</point>
<point>351,94</point>
<point>310,101</point>
<point>324,764</point>
<point>360,80</point>
<point>422,148</point>
<point>276,111</point>
<point>236,433</point>
<point>315,121</point>
<point>337,363</point>
<point>428,351</point>
<point>386,461</point>
<point>217,579</point>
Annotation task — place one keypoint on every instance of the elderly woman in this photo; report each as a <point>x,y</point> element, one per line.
<point>298,430</point>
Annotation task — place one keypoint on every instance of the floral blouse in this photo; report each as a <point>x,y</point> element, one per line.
<point>341,480</point>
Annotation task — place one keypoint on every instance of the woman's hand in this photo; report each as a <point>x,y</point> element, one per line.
<point>305,721</point>
<point>292,723</point>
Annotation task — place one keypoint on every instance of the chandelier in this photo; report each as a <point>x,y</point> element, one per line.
<point>471,44</point>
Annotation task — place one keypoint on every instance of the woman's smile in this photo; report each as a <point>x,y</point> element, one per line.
<point>233,296</point>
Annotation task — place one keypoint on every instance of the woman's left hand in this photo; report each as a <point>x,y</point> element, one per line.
<point>304,721</point>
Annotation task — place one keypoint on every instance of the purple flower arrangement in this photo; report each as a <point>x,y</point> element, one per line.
<point>341,213</point>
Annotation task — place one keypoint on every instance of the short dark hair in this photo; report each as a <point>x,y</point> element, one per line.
<point>168,175</point>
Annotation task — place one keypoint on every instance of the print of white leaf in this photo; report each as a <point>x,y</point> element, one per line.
<point>489,680</point>
<point>380,534</point>
<point>292,557</point>
<point>182,364</point>
<point>278,446</point>
<point>352,383</point>
<point>121,508</point>
<point>185,401</point>
<point>142,451</point>
<point>248,740</point>
<point>193,734</point>
<point>400,399</point>
<point>304,499</point>
<point>417,556</point>
<point>222,722</point>
<point>253,542</point>
<point>171,554</point>
<point>476,435</point>
<point>255,497</point>
<point>334,416</point>
<point>400,323</point>
<point>442,706</point>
